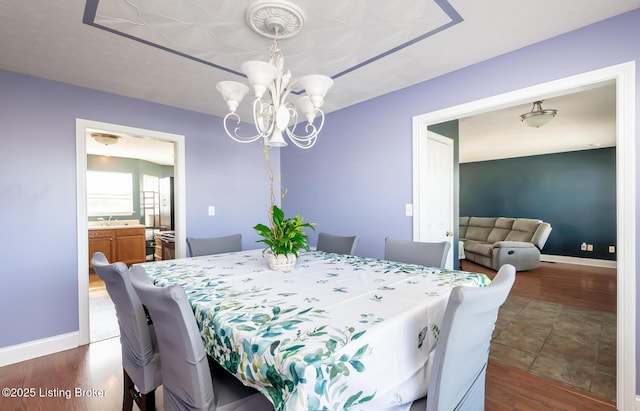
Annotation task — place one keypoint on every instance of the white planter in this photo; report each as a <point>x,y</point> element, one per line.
<point>281,262</point>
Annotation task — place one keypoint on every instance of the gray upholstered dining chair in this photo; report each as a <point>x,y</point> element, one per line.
<point>187,380</point>
<point>140,357</point>
<point>416,252</point>
<point>336,244</point>
<point>214,245</point>
<point>458,373</point>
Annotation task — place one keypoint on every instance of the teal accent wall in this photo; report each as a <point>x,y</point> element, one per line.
<point>575,192</point>
<point>137,168</point>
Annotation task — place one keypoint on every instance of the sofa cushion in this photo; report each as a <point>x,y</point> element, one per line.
<point>480,228</point>
<point>504,222</point>
<point>523,229</point>
<point>501,230</point>
<point>478,247</point>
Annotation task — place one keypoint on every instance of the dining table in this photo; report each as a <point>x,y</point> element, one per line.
<point>338,332</point>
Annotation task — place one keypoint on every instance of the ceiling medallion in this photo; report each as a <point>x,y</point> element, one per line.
<point>268,17</point>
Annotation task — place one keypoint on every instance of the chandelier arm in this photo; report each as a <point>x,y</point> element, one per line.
<point>303,142</point>
<point>293,116</point>
<point>259,117</point>
<point>234,135</point>
<point>308,140</point>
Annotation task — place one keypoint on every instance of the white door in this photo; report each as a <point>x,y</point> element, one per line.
<point>435,199</point>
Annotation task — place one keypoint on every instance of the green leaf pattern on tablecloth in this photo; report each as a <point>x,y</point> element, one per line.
<point>276,334</point>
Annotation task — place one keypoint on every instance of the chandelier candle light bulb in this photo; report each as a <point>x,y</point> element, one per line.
<point>273,116</point>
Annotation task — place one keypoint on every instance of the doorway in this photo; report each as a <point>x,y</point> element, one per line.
<point>624,76</point>
<point>83,129</point>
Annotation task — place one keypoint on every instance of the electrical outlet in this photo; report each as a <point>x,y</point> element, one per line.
<point>589,247</point>
<point>583,246</point>
<point>612,249</point>
<point>212,210</point>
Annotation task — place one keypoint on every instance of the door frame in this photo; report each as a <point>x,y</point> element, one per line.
<point>81,199</point>
<point>625,77</point>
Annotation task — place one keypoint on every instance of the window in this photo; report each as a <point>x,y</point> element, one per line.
<point>109,193</point>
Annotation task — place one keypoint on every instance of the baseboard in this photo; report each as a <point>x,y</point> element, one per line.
<point>579,261</point>
<point>38,348</point>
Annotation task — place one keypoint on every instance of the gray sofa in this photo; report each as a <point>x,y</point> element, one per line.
<point>492,242</point>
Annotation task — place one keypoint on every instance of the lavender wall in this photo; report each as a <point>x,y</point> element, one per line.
<point>39,294</point>
<point>358,176</point>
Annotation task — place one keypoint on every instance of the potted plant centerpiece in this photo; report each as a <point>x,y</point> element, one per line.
<point>284,239</point>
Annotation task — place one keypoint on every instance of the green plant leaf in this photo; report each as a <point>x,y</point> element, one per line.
<point>286,235</point>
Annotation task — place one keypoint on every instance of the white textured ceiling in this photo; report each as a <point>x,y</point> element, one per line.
<point>585,120</point>
<point>174,52</point>
<point>132,146</point>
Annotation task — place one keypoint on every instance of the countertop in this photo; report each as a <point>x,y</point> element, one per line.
<point>113,226</point>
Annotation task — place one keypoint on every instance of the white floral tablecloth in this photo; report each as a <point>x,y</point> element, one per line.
<point>336,333</point>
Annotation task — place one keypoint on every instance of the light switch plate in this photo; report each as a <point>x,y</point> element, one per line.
<point>212,210</point>
<point>408,210</point>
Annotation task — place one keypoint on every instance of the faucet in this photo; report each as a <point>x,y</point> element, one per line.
<point>105,222</point>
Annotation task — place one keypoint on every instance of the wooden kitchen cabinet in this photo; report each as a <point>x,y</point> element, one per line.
<point>102,241</point>
<point>119,244</point>
<point>130,245</point>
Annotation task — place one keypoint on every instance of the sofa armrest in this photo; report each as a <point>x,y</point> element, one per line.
<point>522,255</point>
<point>513,244</point>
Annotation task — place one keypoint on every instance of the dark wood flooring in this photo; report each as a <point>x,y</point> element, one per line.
<point>90,377</point>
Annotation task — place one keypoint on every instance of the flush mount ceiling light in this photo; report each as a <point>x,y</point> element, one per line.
<point>538,117</point>
<point>272,114</point>
<point>106,139</point>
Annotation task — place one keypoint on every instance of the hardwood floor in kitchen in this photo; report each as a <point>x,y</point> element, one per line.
<point>95,370</point>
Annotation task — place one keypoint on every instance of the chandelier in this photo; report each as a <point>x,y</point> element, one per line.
<point>273,115</point>
<point>538,117</point>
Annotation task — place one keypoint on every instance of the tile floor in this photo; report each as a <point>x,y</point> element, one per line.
<point>573,346</point>
<point>103,322</point>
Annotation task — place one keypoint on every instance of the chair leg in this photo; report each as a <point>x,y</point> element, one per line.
<point>146,402</point>
<point>127,395</point>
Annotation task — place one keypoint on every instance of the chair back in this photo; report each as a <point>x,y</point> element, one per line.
<point>457,379</point>
<point>189,382</point>
<point>416,252</point>
<point>140,357</point>
<point>214,245</point>
<point>336,244</point>
<point>186,376</point>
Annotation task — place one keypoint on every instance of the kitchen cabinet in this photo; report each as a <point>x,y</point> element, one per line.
<point>102,241</point>
<point>125,244</point>
<point>131,247</point>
